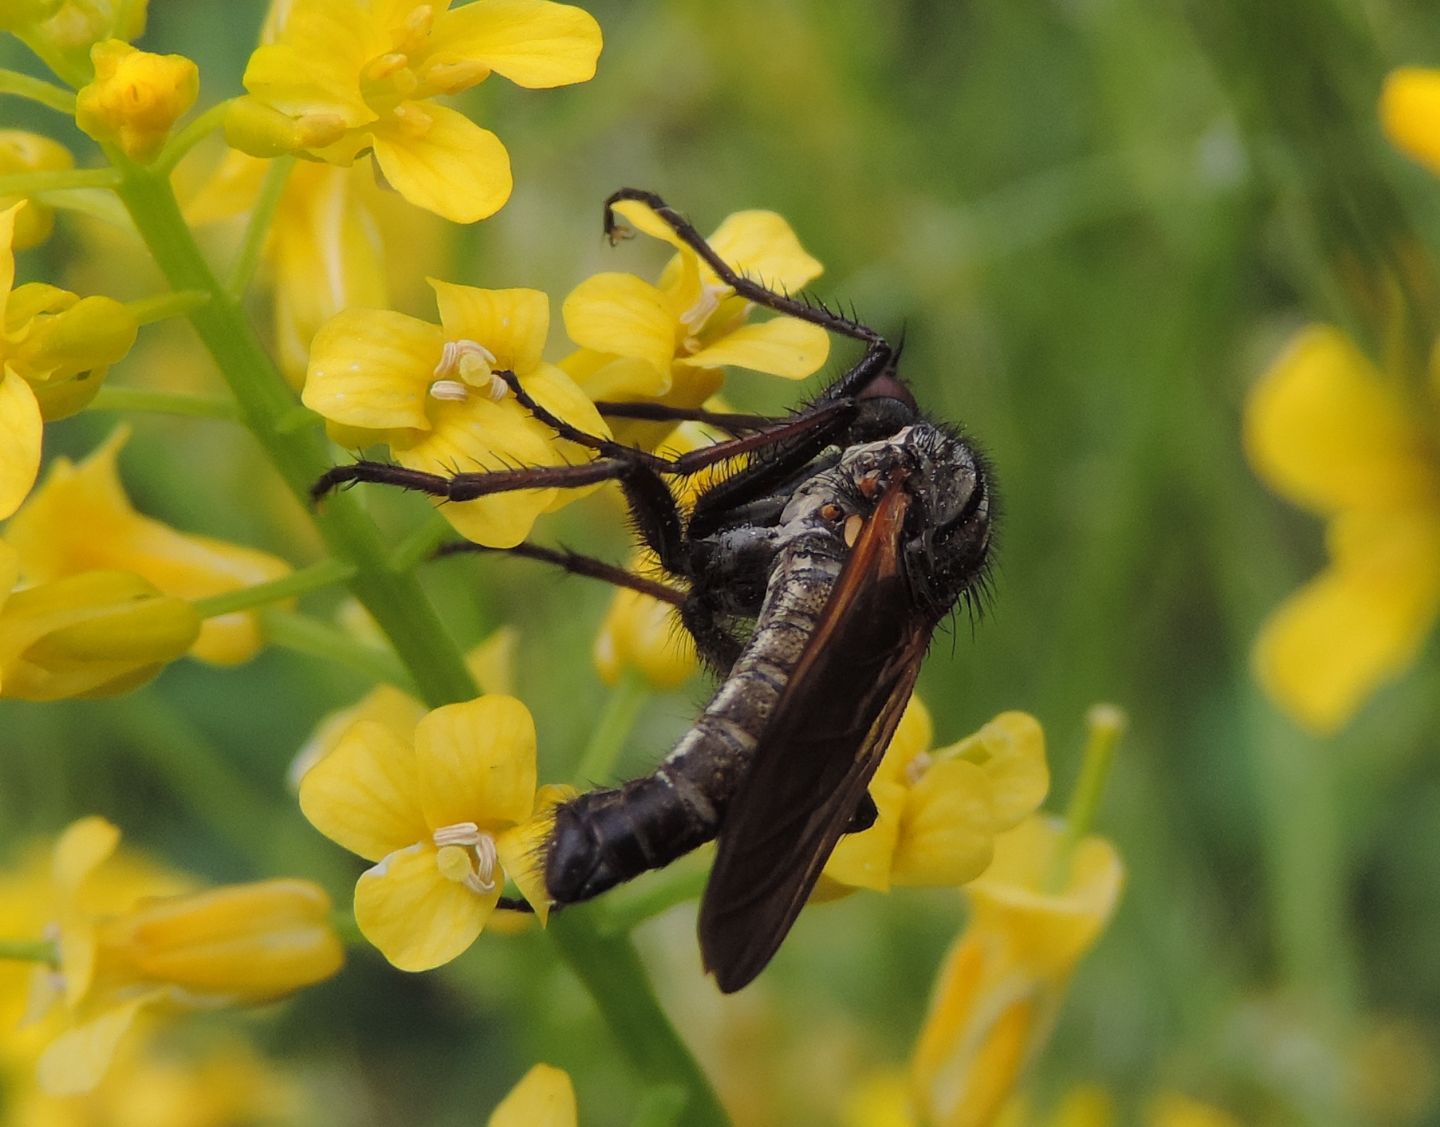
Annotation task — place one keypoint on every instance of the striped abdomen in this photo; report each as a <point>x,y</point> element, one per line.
<point>604,837</point>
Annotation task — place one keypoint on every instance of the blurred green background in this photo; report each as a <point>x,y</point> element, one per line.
<point>1096,222</point>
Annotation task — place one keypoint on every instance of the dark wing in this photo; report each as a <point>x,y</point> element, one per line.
<point>815,758</point>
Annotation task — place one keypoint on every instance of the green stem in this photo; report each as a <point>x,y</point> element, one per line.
<point>313,638</point>
<point>110,398</point>
<point>28,950</point>
<point>316,577</point>
<point>266,403</point>
<point>52,180</point>
<point>660,1107</point>
<point>420,544</point>
<point>258,227</point>
<point>148,310</point>
<point>623,911</point>
<point>1105,724</point>
<point>190,136</point>
<point>37,90</point>
<point>610,968</point>
<point>622,709</point>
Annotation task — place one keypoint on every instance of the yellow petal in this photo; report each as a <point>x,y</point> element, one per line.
<point>415,916</point>
<point>477,763</point>
<point>1333,642</point>
<point>314,68</point>
<point>1410,113</point>
<point>80,850</point>
<point>641,633</point>
<point>914,734</point>
<point>543,1098</point>
<point>512,324</point>
<point>533,43</point>
<point>623,315</point>
<point>385,705</point>
<point>365,794</point>
<point>864,860</point>
<point>373,368</point>
<point>21,430</point>
<point>1326,430</point>
<point>1011,751</point>
<point>522,849</point>
<point>781,346</point>
<point>947,828</point>
<point>762,246</point>
<point>446,164</point>
<point>77,1059</point>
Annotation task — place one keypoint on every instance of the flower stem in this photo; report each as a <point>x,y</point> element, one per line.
<point>1105,724</point>
<point>52,180</point>
<point>610,968</point>
<point>37,90</point>
<point>148,310</point>
<point>622,912</point>
<point>316,639</point>
<point>316,577</point>
<point>189,137</point>
<point>622,709</point>
<point>28,950</point>
<point>266,402</point>
<point>110,398</point>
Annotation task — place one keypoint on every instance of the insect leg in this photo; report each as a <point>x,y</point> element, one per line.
<point>745,287</point>
<point>662,413</point>
<point>576,564</point>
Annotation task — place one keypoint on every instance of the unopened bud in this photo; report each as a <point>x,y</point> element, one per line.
<point>136,97</point>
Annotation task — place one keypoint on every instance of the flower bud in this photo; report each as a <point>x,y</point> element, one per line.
<point>22,15</point>
<point>641,633</point>
<point>64,344</point>
<point>30,152</point>
<point>259,129</point>
<point>99,633</point>
<point>236,943</point>
<point>136,97</point>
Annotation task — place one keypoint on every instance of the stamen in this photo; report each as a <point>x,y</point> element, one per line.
<point>916,768</point>
<point>695,317</point>
<point>461,833</point>
<point>474,364</point>
<point>452,391</point>
<point>483,856</point>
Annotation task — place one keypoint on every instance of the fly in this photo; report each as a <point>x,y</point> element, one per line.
<point>815,576</point>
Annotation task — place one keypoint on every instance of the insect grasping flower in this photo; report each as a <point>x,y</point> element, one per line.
<point>344,77</point>
<point>30,152</point>
<point>431,393</point>
<point>544,1097</point>
<point>1004,979</point>
<point>670,342</point>
<point>939,810</point>
<point>80,520</point>
<point>235,944</point>
<point>136,97</point>
<point>1327,430</point>
<point>445,815</point>
<point>55,348</point>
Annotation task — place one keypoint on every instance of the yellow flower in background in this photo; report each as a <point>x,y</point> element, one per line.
<point>1004,979</point>
<point>1410,114</point>
<point>642,633</point>
<point>136,97</point>
<point>65,30</point>
<point>1171,1109</point>
<point>1327,430</point>
<point>669,342</point>
<point>54,351</point>
<point>21,151</point>
<point>345,76</point>
<point>81,520</point>
<point>429,392</point>
<point>544,1097</point>
<point>233,944</point>
<point>443,814</point>
<point>939,810</point>
<point>99,633</point>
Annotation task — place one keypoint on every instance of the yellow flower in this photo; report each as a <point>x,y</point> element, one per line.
<point>99,633</point>
<point>344,77</point>
<point>1327,430</point>
<point>232,944</point>
<point>54,351</point>
<point>544,1097</point>
<point>136,97</point>
<point>64,31</point>
<point>939,810</point>
<point>642,633</point>
<point>30,152</point>
<point>1410,113</point>
<point>443,813</point>
<point>80,520</point>
<point>1004,980</point>
<point>1171,1109</point>
<point>429,392</point>
<point>669,342</point>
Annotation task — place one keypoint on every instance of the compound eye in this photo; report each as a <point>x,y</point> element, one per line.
<point>887,386</point>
